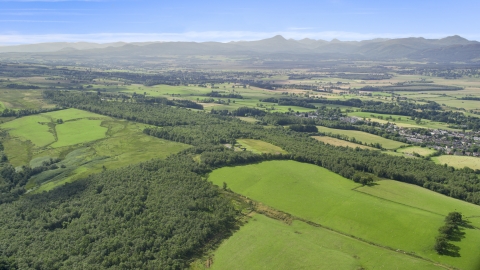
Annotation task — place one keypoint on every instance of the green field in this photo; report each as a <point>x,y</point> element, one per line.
<point>43,130</point>
<point>416,196</point>
<point>363,137</point>
<point>86,142</point>
<point>338,142</point>
<point>422,151</point>
<point>258,146</point>
<point>265,243</point>
<point>80,131</point>
<point>35,129</point>
<point>458,161</point>
<point>316,194</point>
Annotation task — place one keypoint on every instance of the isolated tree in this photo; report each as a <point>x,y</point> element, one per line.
<point>454,218</point>
<point>441,244</point>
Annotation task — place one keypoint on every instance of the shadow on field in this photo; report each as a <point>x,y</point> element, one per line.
<point>457,236</point>
<point>451,250</point>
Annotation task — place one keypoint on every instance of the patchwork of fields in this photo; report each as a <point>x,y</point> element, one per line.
<point>85,142</point>
<point>363,137</point>
<point>318,195</point>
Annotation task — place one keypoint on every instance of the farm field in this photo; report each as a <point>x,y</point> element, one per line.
<point>404,121</point>
<point>422,151</point>
<point>313,193</point>
<point>363,137</point>
<point>85,142</point>
<point>265,243</point>
<point>18,99</point>
<point>80,131</point>
<point>458,161</point>
<point>37,129</point>
<point>416,196</point>
<point>259,147</point>
<point>338,142</point>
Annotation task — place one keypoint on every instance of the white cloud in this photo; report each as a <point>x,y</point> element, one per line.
<point>221,36</point>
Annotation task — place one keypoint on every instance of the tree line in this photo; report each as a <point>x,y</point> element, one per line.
<point>198,128</point>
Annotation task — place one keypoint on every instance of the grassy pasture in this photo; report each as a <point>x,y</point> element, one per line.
<point>265,243</point>
<point>416,196</point>
<point>363,137</point>
<point>125,145</point>
<point>34,128</point>
<point>80,131</point>
<point>71,114</point>
<point>258,146</point>
<point>318,195</point>
<point>248,119</point>
<point>422,151</point>
<point>458,161</point>
<point>86,143</point>
<point>338,142</point>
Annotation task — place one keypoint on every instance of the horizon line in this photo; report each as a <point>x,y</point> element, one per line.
<point>209,36</point>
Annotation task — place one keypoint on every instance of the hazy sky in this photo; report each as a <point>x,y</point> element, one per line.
<point>29,21</point>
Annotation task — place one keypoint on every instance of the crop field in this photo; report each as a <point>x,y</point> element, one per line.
<point>401,121</point>
<point>458,161</point>
<point>318,195</point>
<point>422,151</point>
<point>258,146</point>
<point>338,142</point>
<point>363,137</point>
<point>302,246</point>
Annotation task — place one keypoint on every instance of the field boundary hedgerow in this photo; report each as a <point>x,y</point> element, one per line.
<point>288,218</point>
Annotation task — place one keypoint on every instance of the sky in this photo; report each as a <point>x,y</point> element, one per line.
<point>102,21</point>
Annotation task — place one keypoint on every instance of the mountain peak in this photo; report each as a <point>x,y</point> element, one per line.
<point>278,37</point>
<point>453,40</point>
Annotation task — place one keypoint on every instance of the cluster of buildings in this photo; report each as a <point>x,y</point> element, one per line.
<point>448,141</point>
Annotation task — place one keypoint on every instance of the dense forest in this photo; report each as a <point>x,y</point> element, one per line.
<point>167,212</point>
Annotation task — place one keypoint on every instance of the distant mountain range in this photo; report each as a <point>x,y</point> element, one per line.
<point>449,49</point>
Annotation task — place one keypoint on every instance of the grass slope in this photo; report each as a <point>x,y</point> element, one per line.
<point>318,195</point>
<point>422,151</point>
<point>363,137</point>
<point>416,196</point>
<point>458,161</point>
<point>258,146</point>
<point>338,142</point>
<point>265,243</point>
